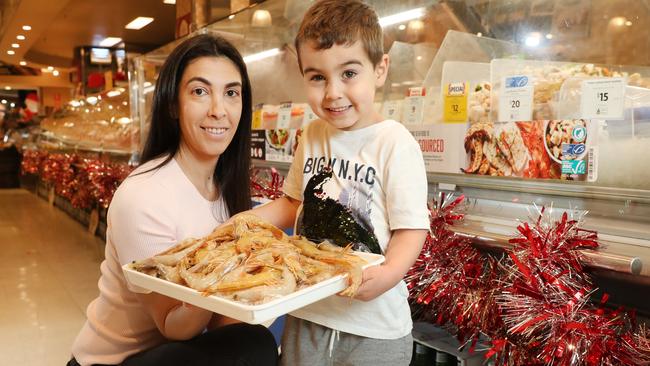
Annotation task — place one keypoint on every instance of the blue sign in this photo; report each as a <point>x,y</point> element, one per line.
<point>516,81</point>
<point>573,149</point>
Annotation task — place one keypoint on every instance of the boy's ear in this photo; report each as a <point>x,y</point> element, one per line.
<point>381,71</point>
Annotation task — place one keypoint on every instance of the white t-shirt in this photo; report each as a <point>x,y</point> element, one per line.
<point>149,213</point>
<point>379,174</point>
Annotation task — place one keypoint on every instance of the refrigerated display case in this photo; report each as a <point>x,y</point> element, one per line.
<point>447,53</point>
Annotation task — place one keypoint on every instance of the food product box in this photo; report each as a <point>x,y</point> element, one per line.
<point>252,314</point>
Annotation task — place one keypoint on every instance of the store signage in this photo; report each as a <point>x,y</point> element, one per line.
<point>603,98</point>
<point>516,98</point>
<point>455,102</point>
<point>441,146</point>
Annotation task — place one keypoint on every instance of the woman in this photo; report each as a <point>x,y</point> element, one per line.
<point>194,175</point>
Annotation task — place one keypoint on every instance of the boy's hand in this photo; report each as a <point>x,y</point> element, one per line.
<point>376,280</point>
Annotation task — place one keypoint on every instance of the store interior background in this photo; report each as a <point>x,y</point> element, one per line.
<point>50,49</point>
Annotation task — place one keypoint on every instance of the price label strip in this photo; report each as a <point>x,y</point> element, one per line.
<point>516,99</point>
<point>603,98</point>
<point>455,102</point>
<point>284,116</point>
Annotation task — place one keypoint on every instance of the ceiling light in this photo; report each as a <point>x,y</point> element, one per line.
<point>27,27</point>
<point>44,69</point>
<point>11,52</point>
<point>532,39</point>
<point>479,34</point>
<point>4,101</point>
<point>110,41</point>
<point>231,16</point>
<point>618,21</point>
<point>23,63</point>
<point>12,105</point>
<point>262,55</point>
<point>628,23</point>
<point>15,45</point>
<point>113,93</point>
<point>401,27</point>
<point>171,2</point>
<point>261,18</point>
<point>20,37</point>
<point>401,17</point>
<point>50,68</point>
<point>55,72</point>
<point>91,100</point>
<point>549,36</point>
<point>139,22</point>
<point>7,88</point>
<point>419,58</point>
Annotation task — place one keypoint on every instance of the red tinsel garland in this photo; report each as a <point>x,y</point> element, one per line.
<point>266,183</point>
<point>533,304</point>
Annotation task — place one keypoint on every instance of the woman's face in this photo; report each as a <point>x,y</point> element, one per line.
<point>210,105</point>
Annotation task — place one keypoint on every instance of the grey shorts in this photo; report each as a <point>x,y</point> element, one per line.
<point>307,343</point>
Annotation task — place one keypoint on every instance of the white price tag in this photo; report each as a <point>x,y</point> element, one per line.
<point>414,106</point>
<point>309,116</point>
<point>284,116</point>
<point>603,98</point>
<point>391,110</point>
<point>516,98</point>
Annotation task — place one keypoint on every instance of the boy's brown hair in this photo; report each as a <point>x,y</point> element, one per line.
<point>342,22</point>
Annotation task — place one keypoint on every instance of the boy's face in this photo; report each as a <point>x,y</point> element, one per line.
<point>341,83</point>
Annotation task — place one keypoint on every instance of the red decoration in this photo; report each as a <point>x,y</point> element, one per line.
<point>266,183</point>
<point>533,304</point>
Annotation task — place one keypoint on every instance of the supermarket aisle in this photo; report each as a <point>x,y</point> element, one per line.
<point>49,266</point>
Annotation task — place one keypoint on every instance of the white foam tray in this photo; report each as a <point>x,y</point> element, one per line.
<point>252,314</point>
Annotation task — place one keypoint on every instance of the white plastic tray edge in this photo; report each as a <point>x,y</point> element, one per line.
<point>252,314</point>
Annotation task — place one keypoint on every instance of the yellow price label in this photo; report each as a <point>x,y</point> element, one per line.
<point>455,102</point>
<point>257,119</point>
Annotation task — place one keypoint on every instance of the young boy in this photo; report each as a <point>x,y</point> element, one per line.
<point>355,178</point>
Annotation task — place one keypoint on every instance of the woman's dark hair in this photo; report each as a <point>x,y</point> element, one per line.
<point>232,172</point>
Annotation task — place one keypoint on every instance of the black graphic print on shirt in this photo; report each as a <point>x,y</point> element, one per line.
<point>343,220</point>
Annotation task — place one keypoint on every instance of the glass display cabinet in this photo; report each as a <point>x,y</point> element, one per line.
<point>516,104</point>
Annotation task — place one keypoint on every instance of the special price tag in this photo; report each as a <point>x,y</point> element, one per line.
<point>516,98</point>
<point>284,116</point>
<point>603,98</point>
<point>455,102</point>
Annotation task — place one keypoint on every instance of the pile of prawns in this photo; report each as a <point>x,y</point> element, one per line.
<point>253,262</point>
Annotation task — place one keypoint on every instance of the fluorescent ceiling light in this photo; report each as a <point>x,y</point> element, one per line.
<point>139,23</point>
<point>262,55</point>
<point>401,17</point>
<point>11,52</point>
<point>15,45</point>
<point>27,27</point>
<point>20,37</point>
<point>169,2</point>
<point>110,41</point>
